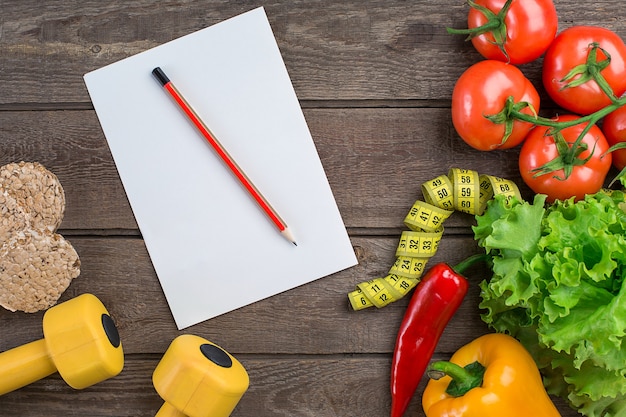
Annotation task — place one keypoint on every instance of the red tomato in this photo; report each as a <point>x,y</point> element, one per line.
<point>482,90</point>
<point>570,49</point>
<point>539,149</point>
<point>530,28</point>
<point>614,128</point>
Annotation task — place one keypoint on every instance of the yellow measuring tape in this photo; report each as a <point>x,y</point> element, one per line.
<point>461,190</point>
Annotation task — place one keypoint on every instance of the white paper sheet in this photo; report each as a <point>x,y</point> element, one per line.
<point>213,249</point>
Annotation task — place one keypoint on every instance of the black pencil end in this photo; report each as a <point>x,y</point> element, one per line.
<point>160,75</point>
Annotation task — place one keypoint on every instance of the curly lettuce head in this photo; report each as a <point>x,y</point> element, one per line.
<point>558,286</point>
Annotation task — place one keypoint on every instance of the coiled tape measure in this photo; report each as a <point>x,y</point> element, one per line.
<point>460,190</point>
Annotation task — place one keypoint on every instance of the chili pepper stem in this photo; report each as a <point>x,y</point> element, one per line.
<point>463,378</point>
<point>468,262</point>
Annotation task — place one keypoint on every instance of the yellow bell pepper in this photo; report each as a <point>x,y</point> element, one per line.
<point>492,376</point>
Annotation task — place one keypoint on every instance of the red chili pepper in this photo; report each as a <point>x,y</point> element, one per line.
<point>435,300</point>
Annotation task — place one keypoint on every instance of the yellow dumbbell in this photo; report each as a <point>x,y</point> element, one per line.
<point>197,378</point>
<point>80,342</point>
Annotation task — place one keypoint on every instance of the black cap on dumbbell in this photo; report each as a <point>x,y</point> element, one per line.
<point>111,331</point>
<point>216,355</point>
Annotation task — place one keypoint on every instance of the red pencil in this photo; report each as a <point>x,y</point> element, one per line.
<point>223,154</point>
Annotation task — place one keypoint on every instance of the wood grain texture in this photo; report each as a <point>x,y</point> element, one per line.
<point>349,50</point>
<point>374,79</point>
<point>375,159</point>
<point>322,324</point>
<point>330,386</point>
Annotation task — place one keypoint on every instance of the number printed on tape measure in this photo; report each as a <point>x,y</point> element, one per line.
<point>409,267</point>
<point>439,192</point>
<point>491,186</point>
<point>425,217</point>
<point>467,190</point>
<point>358,301</point>
<point>401,284</point>
<point>419,244</point>
<point>504,186</point>
<point>377,291</point>
<point>463,190</point>
<point>486,193</point>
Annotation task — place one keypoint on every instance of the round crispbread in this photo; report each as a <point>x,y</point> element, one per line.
<point>36,267</point>
<point>33,196</point>
<point>14,217</point>
<point>36,264</point>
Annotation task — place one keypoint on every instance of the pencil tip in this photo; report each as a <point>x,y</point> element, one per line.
<point>287,234</point>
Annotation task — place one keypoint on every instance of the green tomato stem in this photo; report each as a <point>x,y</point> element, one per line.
<point>592,118</point>
<point>479,30</point>
<point>569,155</point>
<point>591,70</point>
<point>494,25</point>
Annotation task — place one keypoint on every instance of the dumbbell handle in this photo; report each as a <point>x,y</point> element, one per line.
<point>24,365</point>
<point>168,410</point>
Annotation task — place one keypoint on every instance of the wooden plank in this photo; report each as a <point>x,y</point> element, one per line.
<point>354,50</point>
<point>375,80</point>
<point>335,386</point>
<point>337,363</point>
<point>375,158</point>
<point>311,319</point>
<point>335,54</point>
<point>72,145</point>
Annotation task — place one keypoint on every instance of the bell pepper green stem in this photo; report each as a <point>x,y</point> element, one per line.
<point>463,378</point>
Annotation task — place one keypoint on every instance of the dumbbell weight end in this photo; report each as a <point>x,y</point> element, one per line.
<point>80,342</point>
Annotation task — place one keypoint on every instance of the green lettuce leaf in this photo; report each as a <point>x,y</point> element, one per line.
<point>510,228</point>
<point>558,286</point>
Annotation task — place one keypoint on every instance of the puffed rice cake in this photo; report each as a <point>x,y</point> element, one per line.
<point>36,267</point>
<point>36,264</point>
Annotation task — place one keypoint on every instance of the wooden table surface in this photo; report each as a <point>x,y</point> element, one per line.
<point>374,79</point>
